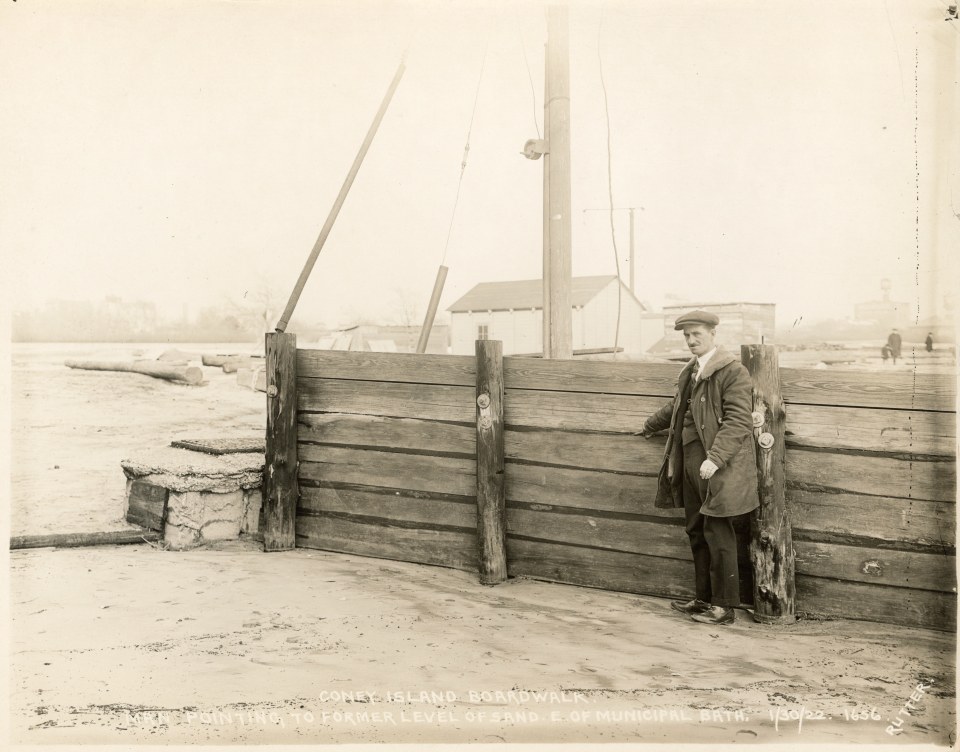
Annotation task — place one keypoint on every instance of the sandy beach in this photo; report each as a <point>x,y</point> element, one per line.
<point>134,644</point>
<point>70,429</point>
<point>226,644</point>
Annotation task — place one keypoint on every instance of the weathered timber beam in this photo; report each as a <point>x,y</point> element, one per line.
<point>491,507</point>
<point>771,540</point>
<point>280,490</point>
<point>186,374</point>
<point>74,540</point>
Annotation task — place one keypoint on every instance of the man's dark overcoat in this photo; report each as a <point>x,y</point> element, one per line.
<point>722,406</point>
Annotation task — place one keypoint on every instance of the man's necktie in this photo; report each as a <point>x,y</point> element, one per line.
<point>696,370</point>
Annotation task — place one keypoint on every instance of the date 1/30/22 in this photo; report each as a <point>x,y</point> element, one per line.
<point>803,713</point>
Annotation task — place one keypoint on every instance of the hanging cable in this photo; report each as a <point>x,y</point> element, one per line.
<point>466,152</point>
<point>442,271</point>
<point>613,234</point>
<point>533,90</point>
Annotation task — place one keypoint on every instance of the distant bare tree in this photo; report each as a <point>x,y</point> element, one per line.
<point>259,307</point>
<point>407,311</point>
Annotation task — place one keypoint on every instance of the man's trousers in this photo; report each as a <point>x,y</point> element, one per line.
<point>713,540</point>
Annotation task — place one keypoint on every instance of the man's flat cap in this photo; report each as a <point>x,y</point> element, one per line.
<point>696,317</point>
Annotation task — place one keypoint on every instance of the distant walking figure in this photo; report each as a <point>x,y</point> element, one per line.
<point>894,342</point>
<point>929,342</point>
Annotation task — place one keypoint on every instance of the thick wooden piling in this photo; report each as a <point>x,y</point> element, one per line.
<point>491,508</point>
<point>280,491</point>
<point>771,538</point>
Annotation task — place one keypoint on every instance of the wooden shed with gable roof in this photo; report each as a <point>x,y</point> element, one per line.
<point>512,312</point>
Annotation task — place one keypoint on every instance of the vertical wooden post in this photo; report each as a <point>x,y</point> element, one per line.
<point>558,272</point>
<point>491,509</point>
<point>545,323</point>
<point>771,537</point>
<point>280,491</point>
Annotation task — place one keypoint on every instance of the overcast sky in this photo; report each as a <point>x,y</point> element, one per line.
<point>188,152</point>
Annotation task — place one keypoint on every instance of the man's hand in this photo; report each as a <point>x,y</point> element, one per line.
<point>707,469</point>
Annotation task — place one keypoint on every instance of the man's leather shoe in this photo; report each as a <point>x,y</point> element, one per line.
<point>715,615</point>
<point>695,606</point>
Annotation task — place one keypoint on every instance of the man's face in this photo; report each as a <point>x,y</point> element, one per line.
<point>699,338</point>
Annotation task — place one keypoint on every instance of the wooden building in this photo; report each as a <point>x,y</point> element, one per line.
<point>512,312</point>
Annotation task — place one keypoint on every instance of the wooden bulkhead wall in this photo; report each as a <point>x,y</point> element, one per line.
<point>387,458</point>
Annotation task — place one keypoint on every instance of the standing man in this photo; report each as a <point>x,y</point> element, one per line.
<point>894,342</point>
<point>709,464</point>
<point>929,342</point>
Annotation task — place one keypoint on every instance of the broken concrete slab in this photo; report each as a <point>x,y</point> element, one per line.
<point>209,497</point>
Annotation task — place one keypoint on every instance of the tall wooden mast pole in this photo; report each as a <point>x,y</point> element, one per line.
<point>341,197</point>
<point>546,203</point>
<point>557,271</point>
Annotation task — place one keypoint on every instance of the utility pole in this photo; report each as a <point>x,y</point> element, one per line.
<point>557,266</point>
<point>633,240</point>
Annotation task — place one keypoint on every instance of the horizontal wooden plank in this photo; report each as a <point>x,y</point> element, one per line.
<point>611,413</point>
<point>423,401</point>
<point>877,476</point>
<point>76,540</point>
<point>902,390</point>
<point>414,368</point>
<point>901,431</point>
<point>603,376</point>
<point>444,548</point>
<point>388,469</point>
<point>146,504</point>
<point>590,567</point>
<point>390,433</point>
<point>880,517</point>
<point>904,569</point>
<point>596,451</point>
<point>583,489</point>
<point>397,506</point>
<point>891,605</point>
<point>630,535</point>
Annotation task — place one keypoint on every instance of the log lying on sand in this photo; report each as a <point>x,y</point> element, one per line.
<point>178,357</point>
<point>253,362</point>
<point>70,540</point>
<point>231,363</point>
<point>218,360</point>
<point>186,374</point>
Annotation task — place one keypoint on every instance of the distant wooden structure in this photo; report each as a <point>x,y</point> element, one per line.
<point>512,312</point>
<point>386,451</point>
<point>741,323</point>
